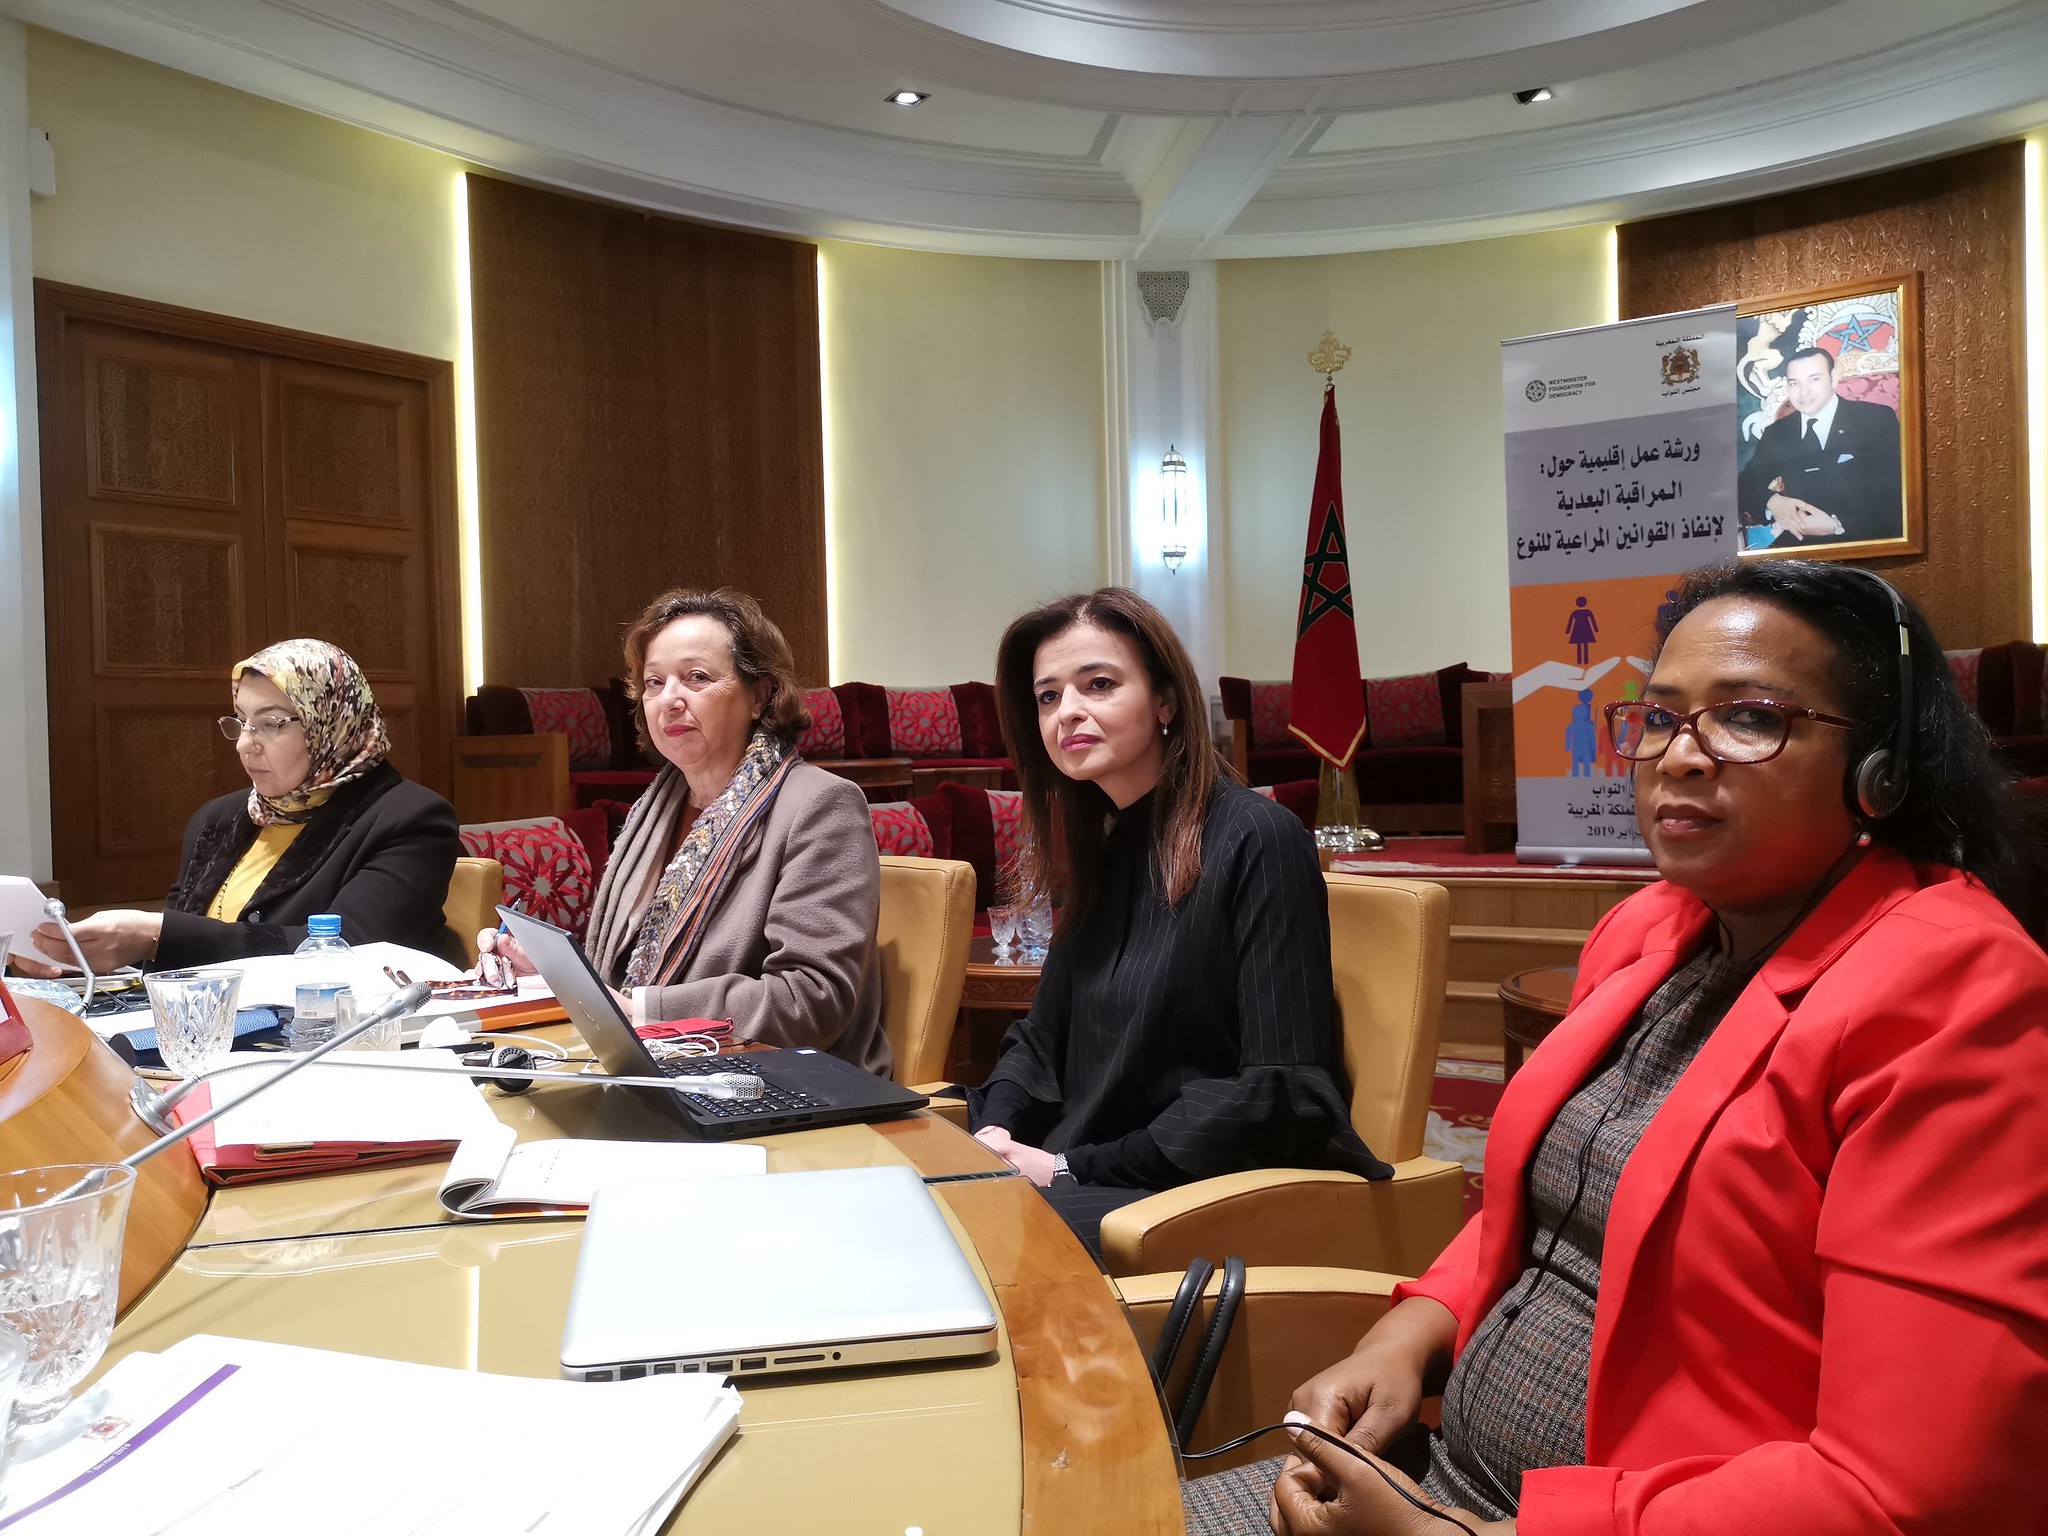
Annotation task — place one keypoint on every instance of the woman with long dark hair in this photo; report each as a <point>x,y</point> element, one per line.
<point>1766,1216</point>
<point>1183,1025</point>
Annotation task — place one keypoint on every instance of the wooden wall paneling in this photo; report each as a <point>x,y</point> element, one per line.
<point>1958,223</point>
<point>648,416</point>
<point>153,585</point>
<point>207,483</point>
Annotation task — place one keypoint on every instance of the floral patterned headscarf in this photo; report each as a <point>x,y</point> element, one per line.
<point>344,730</point>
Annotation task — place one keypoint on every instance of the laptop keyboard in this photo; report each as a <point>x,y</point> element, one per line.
<point>773,1100</point>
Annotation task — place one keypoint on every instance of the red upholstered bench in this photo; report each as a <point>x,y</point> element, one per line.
<point>1410,769</point>
<point>947,733</point>
<point>605,759</point>
<point>980,827</point>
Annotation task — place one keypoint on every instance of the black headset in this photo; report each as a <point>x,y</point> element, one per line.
<point>1878,784</point>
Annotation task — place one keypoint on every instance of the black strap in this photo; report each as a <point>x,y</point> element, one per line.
<point>1213,1342</point>
<point>1167,1350</point>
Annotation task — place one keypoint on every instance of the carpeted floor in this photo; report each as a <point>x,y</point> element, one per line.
<point>1461,1109</point>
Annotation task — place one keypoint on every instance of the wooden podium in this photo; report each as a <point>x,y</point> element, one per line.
<point>65,1100</point>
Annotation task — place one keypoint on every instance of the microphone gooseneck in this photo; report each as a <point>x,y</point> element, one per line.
<point>55,911</point>
<point>154,1108</point>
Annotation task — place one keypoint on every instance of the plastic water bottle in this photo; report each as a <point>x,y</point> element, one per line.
<point>325,1005</point>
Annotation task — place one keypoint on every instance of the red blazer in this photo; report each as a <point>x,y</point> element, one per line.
<point>1824,1290</point>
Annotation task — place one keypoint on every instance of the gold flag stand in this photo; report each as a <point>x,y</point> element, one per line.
<point>1337,797</point>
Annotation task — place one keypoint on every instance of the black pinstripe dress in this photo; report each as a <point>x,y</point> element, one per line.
<point>1173,1044</point>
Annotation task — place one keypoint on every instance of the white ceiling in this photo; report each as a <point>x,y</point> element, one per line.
<point>1158,129</point>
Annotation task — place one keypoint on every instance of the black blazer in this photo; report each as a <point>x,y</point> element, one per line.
<point>1855,477</point>
<point>379,853</point>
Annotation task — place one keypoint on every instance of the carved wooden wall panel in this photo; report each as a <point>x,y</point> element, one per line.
<point>358,602</point>
<point>162,764</point>
<point>342,457</point>
<point>648,417</point>
<point>165,604</point>
<point>163,432</point>
<point>1958,222</point>
<point>210,486</point>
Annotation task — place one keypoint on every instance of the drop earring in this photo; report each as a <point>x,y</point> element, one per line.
<point>1862,839</point>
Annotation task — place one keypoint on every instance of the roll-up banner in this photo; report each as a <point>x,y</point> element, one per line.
<point>1620,476</point>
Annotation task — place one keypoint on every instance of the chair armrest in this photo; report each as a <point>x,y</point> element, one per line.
<point>1241,749</point>
<point>952,1111</point>
<point>1293,1323</point>
<point>1293,1216</point>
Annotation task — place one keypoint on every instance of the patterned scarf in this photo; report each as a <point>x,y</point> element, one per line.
<point>696,877</point>
<point>344,730</point>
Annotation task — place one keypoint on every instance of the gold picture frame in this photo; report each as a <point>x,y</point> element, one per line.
<point>1839,482</point>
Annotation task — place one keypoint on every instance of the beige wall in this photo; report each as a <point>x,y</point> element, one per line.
<point>963,453</point>
<point>1420,405</point>
<point>174,189</point>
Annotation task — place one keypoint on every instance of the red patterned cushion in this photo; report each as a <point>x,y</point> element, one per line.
<point>1404,711</point>
<point>1962,666</point>
<point>981,730</point>
<point>546,867</point>
<point>825,736</point>
<point>577,714</point>
<point>1271,704</point>
<point>1006,811</point>
<point>900,828</point>
<point>924,722</point>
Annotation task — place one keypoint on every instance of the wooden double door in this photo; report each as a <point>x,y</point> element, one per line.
<point>210,486</point>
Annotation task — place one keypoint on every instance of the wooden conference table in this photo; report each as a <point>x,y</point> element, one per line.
<point>1060,1431</point>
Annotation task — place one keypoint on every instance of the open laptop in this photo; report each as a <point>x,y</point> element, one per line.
<point>778,1272</point>
<point>802,1088</point>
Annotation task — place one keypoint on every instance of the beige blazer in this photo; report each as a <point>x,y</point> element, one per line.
<point>789,954</point>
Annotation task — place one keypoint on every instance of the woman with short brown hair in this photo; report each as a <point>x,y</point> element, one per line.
<point>1183,1025</point>
<point>745,884</point>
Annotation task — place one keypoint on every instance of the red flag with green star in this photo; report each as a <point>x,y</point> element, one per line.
<point>1328,708</point>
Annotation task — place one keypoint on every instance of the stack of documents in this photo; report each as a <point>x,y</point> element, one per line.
<point>236,1438</point>
<point>358,1108</point>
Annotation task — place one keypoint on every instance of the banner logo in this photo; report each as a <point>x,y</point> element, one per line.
<point>1681,366</point>
<point>1535,391</point>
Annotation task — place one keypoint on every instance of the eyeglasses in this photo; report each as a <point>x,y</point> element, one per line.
<point>1742,731</point>
<point>266,729</point>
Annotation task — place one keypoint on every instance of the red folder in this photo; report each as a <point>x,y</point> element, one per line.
<point>228,1165</point>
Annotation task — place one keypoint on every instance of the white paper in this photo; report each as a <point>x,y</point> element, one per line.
<point>370,1100</point>
<point>487,1172</point>
<point>21,913</point>
<point>322,1444</point>
<point>272,981</point>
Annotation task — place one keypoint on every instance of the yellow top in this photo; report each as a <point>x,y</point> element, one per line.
<point>250,871</point>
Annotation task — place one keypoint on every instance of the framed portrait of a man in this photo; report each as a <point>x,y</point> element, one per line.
<point>1827,392</point>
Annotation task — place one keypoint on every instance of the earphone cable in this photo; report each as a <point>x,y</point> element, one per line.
<point>1342,1444</point>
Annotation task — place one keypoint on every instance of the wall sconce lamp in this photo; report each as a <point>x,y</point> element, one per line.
<point>1173,504</point>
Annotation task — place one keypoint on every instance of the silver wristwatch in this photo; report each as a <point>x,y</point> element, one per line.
<point>1060,1170</point>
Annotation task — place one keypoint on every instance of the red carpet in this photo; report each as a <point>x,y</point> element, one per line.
<point>1461,1106</point>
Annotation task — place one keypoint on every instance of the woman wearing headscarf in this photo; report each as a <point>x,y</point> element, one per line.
<point>745,884</point>
<point>326,825</point>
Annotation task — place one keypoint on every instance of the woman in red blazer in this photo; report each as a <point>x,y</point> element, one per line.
<point>1805,1288</point>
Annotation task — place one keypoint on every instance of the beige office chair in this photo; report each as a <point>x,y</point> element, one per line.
<point>1292,1324</point>
<point>1389,945</point>
<point>474,891</point>
<point>923,930</point>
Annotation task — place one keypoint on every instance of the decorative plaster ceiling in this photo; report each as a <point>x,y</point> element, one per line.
<point>1162,129</point>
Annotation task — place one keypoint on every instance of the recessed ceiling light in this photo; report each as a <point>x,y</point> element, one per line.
<point>907,98</point>
<point>1530,98</point>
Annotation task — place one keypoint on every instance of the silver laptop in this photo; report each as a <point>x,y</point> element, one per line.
<point>781,1272</point>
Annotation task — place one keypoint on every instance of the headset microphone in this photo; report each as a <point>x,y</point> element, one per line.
<point>1879,782</point>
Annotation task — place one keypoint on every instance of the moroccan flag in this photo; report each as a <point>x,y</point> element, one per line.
<point>1328,709</point>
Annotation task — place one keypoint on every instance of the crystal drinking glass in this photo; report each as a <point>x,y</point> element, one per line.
<point>1002,927</point>
<point>1035,928</point>
<point>60,1273</point>
<point>195,1016</point>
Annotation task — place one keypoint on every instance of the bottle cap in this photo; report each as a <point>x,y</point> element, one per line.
<point>326,925</point>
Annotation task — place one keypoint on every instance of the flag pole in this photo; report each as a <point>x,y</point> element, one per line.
<point>1337,788</point>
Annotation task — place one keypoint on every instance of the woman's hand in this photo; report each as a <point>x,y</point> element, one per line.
<point>1034,1163</point>
<point>1326,1491</point>
<point>108,940</point>
<point>491,942</point>
<point>1372,1396</point>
